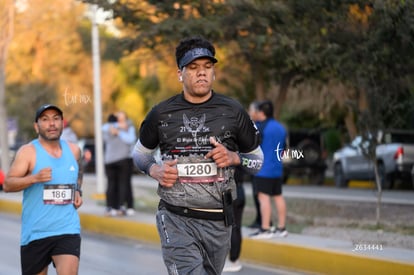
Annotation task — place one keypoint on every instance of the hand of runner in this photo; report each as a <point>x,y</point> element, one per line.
<point>78,200</point>
<point>166,174</point>
<point>221,155</point>
<point>44,175</point>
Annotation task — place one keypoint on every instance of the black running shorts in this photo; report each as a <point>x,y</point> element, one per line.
<point>36,255</point>
<point>272,187</point>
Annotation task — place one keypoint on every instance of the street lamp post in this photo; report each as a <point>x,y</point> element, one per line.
<point>99,163</point>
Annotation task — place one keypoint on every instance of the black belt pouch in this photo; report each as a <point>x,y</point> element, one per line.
<point>228,208</point>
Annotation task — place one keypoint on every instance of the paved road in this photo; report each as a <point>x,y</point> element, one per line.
<point>101,255</point>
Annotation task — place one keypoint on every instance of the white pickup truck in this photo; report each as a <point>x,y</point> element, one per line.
<point>394,156</point>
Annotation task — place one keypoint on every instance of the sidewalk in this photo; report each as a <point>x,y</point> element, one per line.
<point>297,252</point>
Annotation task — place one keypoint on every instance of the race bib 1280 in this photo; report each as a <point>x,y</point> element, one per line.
<point>200,172</point>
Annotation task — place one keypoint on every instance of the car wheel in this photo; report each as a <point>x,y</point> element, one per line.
<point>339,177</point>
<point>386,179</point>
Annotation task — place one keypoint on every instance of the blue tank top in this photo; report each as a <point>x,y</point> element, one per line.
<point>41,220</point>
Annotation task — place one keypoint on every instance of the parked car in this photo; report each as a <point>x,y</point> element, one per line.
<point>305,155</point>
<point>412,176</point>
<point>394,156</point>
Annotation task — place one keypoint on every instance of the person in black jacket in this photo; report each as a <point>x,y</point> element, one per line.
<point>201,136</point>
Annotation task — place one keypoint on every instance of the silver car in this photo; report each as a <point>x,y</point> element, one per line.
<point>394,157</point>
<point>412,176</point>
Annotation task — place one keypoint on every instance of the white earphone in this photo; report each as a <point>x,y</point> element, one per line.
<point>180,78</point>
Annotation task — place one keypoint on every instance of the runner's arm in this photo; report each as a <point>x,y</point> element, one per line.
<point>19,176</point>
<point>252,161</point>
<point>143,157</point>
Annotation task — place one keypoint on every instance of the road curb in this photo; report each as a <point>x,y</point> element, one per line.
<point>119,227</point>
<point>269,253</point>
<point>319,261</point>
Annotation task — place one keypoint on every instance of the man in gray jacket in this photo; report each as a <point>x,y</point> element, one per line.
<point>119,137</point>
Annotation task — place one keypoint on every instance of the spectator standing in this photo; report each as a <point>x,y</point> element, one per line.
<point>49,173</point>
<point>119,136</point>
<point>67,133</point>
<point>202,136</point>
<point>269,179</point>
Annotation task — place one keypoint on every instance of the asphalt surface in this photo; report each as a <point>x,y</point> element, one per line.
<point>300,253</point>
<point>103,255</point>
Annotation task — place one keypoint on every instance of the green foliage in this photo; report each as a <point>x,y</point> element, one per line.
<point>111,47</point>
<point>332,139</point>
<point>304,119</point>
<point>25,99</point>
<point>263,48</point>
<point>149,86</point>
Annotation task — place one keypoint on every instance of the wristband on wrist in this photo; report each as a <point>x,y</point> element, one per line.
<point>149,168</point>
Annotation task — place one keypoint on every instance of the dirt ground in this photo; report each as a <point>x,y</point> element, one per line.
<point>354,221</point>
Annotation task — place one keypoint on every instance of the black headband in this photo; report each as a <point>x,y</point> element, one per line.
<point>195,54</point>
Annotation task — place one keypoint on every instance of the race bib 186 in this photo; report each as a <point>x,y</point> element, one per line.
<point>58,193</point>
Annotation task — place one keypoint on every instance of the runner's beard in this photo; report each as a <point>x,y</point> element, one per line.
<point>44,135</point>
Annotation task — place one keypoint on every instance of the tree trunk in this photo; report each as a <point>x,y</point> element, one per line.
<point>6,32</point>
<point>379,195</point>
<point>259,85</point>
<point>283,90</point>
<point>350,123</point>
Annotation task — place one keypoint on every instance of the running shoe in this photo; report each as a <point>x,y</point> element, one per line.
<point>230,266</point>
<point>281,233</point>
<point>262,234</point>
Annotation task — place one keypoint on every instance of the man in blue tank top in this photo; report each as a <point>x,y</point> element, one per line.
<point>49,173</point>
